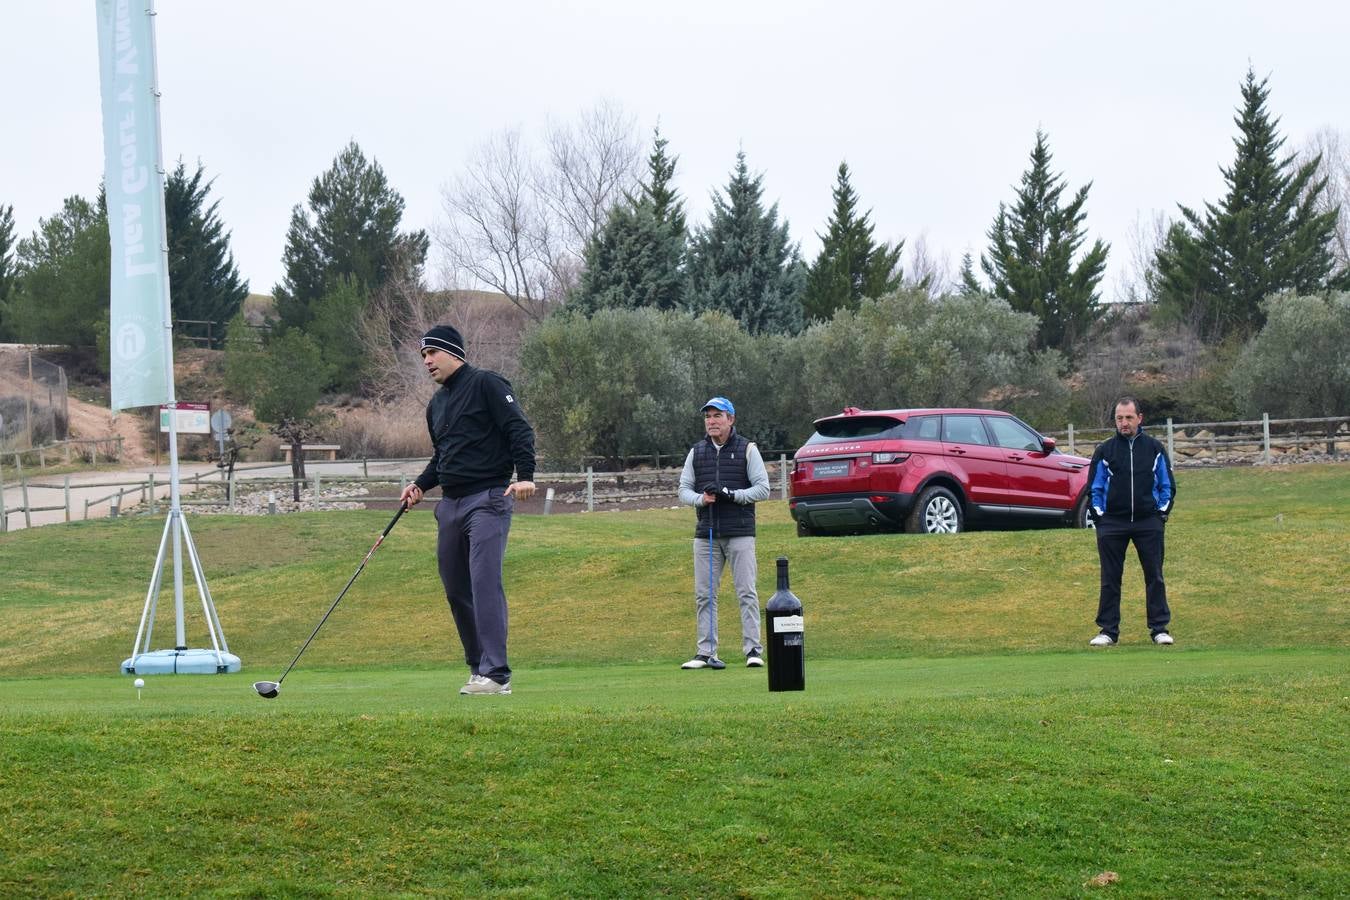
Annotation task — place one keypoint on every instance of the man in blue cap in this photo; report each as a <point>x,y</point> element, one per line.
<point>723,478</point>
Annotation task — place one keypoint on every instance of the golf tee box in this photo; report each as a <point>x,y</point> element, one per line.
<point>181,662</point>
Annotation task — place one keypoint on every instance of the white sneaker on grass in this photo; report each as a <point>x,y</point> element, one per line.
<point>1163,637</point>
<point>481,684</point>
<point>1102,640</point>
<point>754,660</point>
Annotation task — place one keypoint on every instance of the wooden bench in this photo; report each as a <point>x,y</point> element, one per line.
<point>329,451</point>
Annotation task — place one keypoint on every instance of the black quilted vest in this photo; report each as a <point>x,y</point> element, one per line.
<point>727,468</point>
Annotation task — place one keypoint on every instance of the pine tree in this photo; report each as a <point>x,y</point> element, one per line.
<point>638,257</point>
<point>1032,246</point>
<point>1264,237</point>
<point>352,244</point>
<point>64,277</point>
<point>204,281</point>
<point>851,265</point>
<point>743,263</point>
<point>354,234</point>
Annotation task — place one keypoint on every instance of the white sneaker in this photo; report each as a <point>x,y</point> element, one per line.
<point>1102,640</point>
<point>481,684</point>
<point>754,660</point>
<point>1163,637</point>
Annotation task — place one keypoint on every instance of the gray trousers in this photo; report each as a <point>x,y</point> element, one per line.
<point>737,553</point>
<point>470,545</point>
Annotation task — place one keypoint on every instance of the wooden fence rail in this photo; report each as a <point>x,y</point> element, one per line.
<point>1257,440</point>
<point>63,448</point>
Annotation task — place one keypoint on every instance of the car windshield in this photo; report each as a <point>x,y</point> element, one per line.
<point>872,428</point>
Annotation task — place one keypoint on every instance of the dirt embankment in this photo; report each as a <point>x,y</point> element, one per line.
<point>89,421</point>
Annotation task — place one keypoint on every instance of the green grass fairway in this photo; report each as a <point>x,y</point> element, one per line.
<point>956,738</point>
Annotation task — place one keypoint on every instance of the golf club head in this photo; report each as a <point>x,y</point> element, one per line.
<point>267,689</point>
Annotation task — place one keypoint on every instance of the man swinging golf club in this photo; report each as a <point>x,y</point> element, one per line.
<point>731,478</point>
<point>479,436</point>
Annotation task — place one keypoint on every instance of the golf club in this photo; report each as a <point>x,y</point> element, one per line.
<point>712,580</point>
<point>270,689</point>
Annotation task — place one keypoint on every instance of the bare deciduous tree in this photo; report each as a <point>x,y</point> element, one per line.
<point>519,226</point>
<point>928,269</point>
<point>591,166</point>
<point>497,232</point>
<point>399,315</point>
<point>1146,235</point>
<point>1334,148</point>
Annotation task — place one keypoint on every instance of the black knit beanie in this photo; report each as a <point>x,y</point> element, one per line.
<point>444,337</point>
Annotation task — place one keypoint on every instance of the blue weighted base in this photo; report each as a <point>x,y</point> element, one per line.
<point>180,662</point>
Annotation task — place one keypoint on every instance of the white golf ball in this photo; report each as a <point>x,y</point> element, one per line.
<point>139,683</point>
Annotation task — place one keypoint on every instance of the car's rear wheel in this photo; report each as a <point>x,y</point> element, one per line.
<point>938,511</point>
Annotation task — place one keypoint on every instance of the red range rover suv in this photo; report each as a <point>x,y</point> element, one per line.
<point>931,470</point>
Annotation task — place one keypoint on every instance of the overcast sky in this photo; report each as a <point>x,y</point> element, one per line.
<point>934,105</point>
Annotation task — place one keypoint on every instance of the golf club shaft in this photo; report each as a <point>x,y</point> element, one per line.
<point>371,552</point>
<point>712,571</point>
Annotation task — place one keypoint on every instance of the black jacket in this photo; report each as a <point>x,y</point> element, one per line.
<point>1131,479</point>
<point>478,435</point>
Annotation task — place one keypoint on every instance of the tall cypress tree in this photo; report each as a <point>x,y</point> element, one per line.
<point>969,285</point>
<point>203,279</point>
<point>638,257</point>
<point>1032,246</point>
<point>743,263</point>
<point>851,265</point>
<point>8,269</point>
<point>1265,236</point>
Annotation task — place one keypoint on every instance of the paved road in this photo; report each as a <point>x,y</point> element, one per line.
<point>95,487</point>
<point>49,490</point>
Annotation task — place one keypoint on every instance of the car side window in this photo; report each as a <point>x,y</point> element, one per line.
<point>963,430</point>
<point>923,428</point>
<point>1012,434</point>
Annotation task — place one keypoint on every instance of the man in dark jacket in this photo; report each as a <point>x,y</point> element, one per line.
<point>723,478</point>
<point>479,437</point>
<point>1132,492</point>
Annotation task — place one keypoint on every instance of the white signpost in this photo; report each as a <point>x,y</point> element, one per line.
<point>189,418</point>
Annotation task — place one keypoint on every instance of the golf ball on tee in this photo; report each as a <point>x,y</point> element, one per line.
<point>139,683</point>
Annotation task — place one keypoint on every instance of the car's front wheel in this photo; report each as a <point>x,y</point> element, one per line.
<point>1081,518</point>
<point>937,511</point>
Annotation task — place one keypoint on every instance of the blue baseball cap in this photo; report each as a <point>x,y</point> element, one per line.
<point>721,403</point>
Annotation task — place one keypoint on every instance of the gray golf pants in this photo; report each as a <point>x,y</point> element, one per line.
<point>470,545</point>
<point>738,554</point>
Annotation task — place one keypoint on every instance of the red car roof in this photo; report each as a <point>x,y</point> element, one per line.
<point>852,411</point>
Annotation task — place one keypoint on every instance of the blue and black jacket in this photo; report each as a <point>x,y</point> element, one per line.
<point>1131,478</point>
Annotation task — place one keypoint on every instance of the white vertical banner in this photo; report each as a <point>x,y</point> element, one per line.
<point>139,334</point>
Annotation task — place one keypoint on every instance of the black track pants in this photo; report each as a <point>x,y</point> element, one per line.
<point>470,546</point>
<point>1113,537</point>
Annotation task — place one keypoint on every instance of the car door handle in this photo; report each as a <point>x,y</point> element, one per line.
<point>1015,457</point>
<point>959,450</point>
